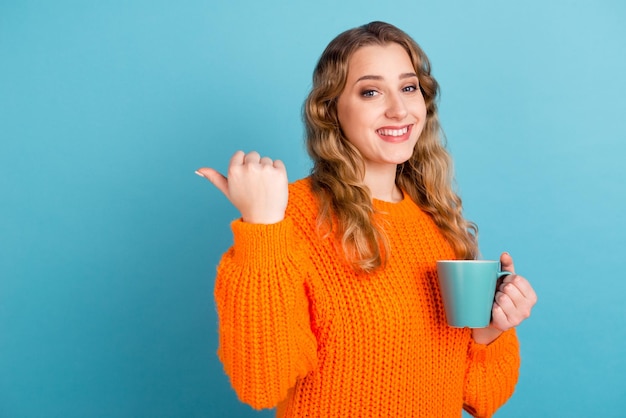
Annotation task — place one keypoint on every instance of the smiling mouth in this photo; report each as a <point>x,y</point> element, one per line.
<point>393,132</point>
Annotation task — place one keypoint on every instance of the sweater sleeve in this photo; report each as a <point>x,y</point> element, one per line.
<point>265,338</point>
<point>492,374</point>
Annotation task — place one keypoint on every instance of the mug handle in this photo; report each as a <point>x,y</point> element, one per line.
<point>502,274</point>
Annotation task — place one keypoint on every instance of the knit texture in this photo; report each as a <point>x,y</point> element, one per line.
<point>301,330</point>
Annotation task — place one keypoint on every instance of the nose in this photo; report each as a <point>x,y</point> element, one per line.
<point>396,108</point>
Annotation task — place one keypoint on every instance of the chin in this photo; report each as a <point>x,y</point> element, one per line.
<point>401,159</point>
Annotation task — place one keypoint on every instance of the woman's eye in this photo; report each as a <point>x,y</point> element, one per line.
<point>369,93</point>
<point>409,88</point>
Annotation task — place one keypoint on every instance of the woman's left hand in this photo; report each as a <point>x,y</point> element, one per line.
<point>514,298</point>
<point>512,304</point>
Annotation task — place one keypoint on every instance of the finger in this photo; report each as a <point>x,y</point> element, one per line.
<point>498,317</point>
<point>516,311</point>
<point>237,159</point>
<point>216,178</point>
<point>506,261</point>
<point>524,287</point>
<point>506,305</point>
<point>506,280</point>
<point>513,292</point>
<point>266,161</point>
<point>279,164</point>
<point>252,158</point>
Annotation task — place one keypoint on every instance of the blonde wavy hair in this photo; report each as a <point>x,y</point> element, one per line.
<point>338,167</point>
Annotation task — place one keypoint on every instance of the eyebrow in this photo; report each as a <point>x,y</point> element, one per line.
<point>377,77</point>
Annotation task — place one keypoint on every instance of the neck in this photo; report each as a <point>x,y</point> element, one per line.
<point>382,183</point>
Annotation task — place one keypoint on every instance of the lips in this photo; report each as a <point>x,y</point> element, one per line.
<point>394,133</point>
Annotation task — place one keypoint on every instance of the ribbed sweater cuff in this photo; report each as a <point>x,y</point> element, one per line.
<point>506,342</point>
<point>255,243</point>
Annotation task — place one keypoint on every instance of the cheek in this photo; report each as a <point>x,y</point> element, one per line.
<point>349,121</point>
<point>419,109</point>
<point>342,117</point>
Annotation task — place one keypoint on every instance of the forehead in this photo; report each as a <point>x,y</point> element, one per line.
<point>379,60</point>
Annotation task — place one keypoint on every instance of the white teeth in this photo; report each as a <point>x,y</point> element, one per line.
<point>393,132</point>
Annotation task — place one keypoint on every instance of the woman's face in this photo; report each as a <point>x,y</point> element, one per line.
<point>381,109</point>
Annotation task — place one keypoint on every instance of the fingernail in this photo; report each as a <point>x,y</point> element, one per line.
<point>199,173</point>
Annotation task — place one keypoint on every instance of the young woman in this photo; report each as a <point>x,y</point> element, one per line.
<point>328,300</point>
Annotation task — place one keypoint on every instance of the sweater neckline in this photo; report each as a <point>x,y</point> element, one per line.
<point>401,207</point>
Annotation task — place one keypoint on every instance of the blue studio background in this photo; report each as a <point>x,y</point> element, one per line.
<point>109,242</point>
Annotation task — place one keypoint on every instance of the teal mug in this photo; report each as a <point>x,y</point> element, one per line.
<point>467,289</point>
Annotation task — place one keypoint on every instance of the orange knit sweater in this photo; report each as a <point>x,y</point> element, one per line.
<point>299,329</point>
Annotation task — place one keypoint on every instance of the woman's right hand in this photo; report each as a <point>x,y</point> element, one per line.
<point>257,187</point>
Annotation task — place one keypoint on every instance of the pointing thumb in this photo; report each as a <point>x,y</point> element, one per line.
<point>215,177</point>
